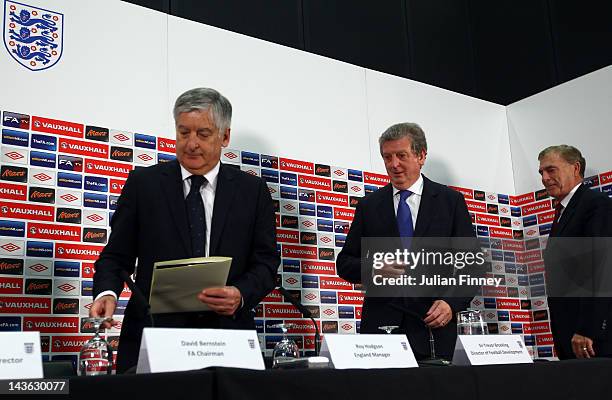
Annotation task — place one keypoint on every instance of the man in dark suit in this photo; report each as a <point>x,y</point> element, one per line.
<point>192,207</point>
<point>576,257</point>
<point>409,206</point>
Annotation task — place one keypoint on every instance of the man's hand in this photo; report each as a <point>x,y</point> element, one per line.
<point>439,314</point>
<point>222,300</point>
<point>582,346</point>
<point>104,307</point>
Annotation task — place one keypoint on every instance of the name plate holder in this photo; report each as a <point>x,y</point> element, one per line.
<point>20,357</point>
<point>490,350</point>
<point>180,349</point>
<point>368,351</point>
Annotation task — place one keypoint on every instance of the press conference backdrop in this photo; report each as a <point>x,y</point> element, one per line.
<point>81,114</point>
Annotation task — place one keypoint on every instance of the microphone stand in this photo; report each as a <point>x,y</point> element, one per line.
<point>305,312</point>
<point>433,359</point>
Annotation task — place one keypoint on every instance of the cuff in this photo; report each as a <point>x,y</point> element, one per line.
<point>106,293</point>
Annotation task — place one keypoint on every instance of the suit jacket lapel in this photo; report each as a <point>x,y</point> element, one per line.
<point>569,211</point>
<point>386,212</point>
<point>224,196</point>
<point>172,187</point>
<point>426,208</point>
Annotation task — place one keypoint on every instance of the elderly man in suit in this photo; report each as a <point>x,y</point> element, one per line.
<point>192,207</point>
<point>409,206</point>
<point>577,257</point>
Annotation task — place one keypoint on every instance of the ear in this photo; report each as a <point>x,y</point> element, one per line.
<point>577,169</point>
<point>422,157</point>
<point>225,139</point>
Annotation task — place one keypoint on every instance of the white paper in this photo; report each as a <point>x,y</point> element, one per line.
<point>20,356</point>
<point>490,349</point>
<point>176,283</point>
<point>368,351</point>
<point>178,349</point>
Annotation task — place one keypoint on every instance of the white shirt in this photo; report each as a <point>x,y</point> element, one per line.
<point>414,201</point>
<point>208,197</point>
<point>567,199</point>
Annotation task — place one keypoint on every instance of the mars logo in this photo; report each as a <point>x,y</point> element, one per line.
<point>33,36</point>
<point>326,254</point>
<point>329,326</point>
<point>96,133</point>
<point>15,174</point>
<point>322,170</point>
<point>340,186</point>
<point>308,238</point>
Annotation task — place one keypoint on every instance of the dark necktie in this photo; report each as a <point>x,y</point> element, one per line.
<point>558,210</point>
<point>196,216</point>
<point>404,219</point>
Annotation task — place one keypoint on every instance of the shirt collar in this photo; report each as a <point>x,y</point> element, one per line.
<point>416,188</point>
<point>569,196</point>
<point>211,176</point>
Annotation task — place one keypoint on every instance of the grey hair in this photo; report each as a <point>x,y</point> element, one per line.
<point>203,99</point>
<point>569,153</point>
<point>405,129</point>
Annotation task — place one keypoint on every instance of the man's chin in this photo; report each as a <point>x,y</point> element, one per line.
<point>553,192</point>
<point>194,168</point>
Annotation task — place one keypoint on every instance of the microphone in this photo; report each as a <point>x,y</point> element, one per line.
<point>433,359</point>
<point>137,296</point>
<point>304,311</point>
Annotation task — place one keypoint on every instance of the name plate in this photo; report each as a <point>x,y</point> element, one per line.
<point>20,356</point>
<point>177,349</point>
<point>490,349</point>
<point>368,351</point>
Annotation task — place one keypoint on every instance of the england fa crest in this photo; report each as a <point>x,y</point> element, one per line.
<point>33,36</point>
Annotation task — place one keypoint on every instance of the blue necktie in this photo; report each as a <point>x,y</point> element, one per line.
<point>404,219</point>
<point>196,215</point>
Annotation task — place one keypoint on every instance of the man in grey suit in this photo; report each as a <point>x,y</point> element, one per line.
<point>192,207</point>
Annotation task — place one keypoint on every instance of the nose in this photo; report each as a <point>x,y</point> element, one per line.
<point>192,143</point>
<point>394,161</point>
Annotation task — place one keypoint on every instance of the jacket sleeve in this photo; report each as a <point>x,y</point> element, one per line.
<point>598,224</point>
<point>348,263</point>
<point>119,254</point>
